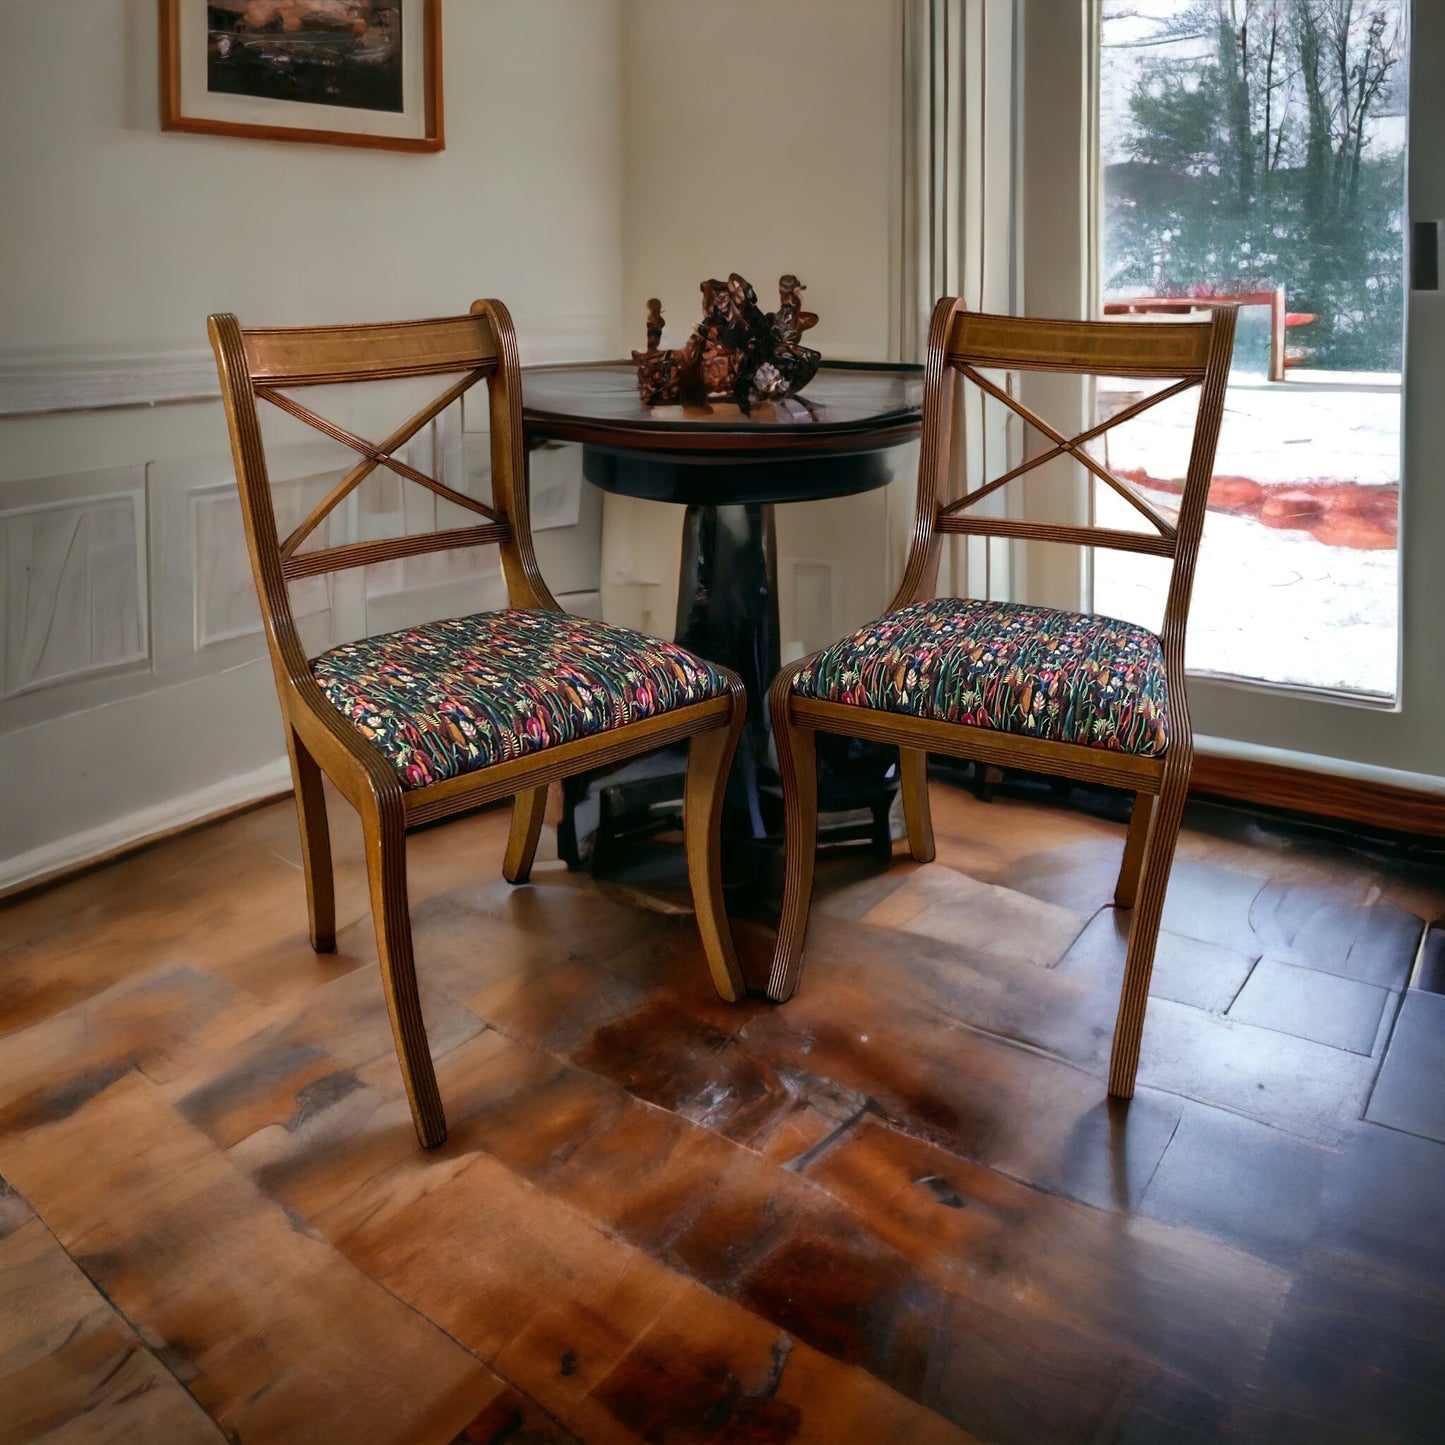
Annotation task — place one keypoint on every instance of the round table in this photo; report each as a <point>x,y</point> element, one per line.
<point>729,468</point>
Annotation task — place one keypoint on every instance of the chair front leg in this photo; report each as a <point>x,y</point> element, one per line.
<point>1168,812</point>
<point>1126,890</point>
<point>385,833</point>
<point>528,808</point>
<point>709,760</point>
<point>913,775</point>
<point>315,845</point>
<point>798,767</point>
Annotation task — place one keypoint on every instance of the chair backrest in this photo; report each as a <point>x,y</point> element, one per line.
<point>268,363</point>
<point>965,345</point>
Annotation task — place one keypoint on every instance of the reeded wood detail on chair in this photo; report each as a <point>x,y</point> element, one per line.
<point>426,805</point>
<point>856,689</point>
<point>1073,447</point>
<point>255,366</point>
<point>388,549</point>
<point>798,772</point>
<point>384,830</point>
<point>312,355</point>
<point>970,525</point>
<point>976,343</point>
<point>1087,765</point>
<point>1027,343</point>
<point>376,454</point>
<point>709,759</point>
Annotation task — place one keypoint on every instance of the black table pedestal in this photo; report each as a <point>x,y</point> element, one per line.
<point>727,612</point>
<point>735,621</point>
<point>729,465</point>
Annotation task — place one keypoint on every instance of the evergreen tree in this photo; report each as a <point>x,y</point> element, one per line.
<point>1260,166</point>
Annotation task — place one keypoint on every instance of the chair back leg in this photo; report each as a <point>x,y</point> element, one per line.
<point>528,809</point>
<point>1168,812</point>
<point>709,760</point>
<point>385,834</point>
<point>798,767</point>
<point>315,845</point>
<point>913,775</point>
<point>1126,890</point>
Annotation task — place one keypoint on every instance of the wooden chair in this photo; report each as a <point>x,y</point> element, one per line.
<point>420,724</point>
<point>1057,692</point>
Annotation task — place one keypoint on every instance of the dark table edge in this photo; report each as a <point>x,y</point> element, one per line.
<point>819,438</point>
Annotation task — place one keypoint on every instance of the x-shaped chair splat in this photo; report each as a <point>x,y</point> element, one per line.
<point>375,454</point>
<point>1069,446</point>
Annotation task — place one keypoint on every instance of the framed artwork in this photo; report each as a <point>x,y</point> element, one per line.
<point>337,72</point>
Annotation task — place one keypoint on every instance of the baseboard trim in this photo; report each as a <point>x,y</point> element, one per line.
<point>96,847</point>
<point>1371,802</point>
<point>1361,796</point>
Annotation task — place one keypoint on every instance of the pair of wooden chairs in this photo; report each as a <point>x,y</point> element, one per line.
<point>418,725</point>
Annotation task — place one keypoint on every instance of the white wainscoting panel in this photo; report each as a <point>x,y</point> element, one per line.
<point>74,584</point>
<point>225,605</point>
<point>810,591</point>
<point>554,471</point>
<point>134,688</point>
<point>203,595</point>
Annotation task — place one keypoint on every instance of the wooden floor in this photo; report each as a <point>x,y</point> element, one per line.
<point>895,1209</point>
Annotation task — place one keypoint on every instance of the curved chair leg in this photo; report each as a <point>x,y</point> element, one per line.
<point>913,774</point>
<point>709,759</point>
<point>798,765</point>
<point>1144,933</point>
<point>391,915</point>
<point>528,808</point>
<point>1126,890</point>
<point>315,845</point>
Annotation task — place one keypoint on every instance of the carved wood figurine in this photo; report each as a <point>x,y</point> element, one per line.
<point>735,353</point>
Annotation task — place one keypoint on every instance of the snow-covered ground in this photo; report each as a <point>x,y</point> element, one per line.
<point>1271,603</point>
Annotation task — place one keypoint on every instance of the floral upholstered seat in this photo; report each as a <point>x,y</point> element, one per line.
<point>451,697</point>
<point>1033,671</point>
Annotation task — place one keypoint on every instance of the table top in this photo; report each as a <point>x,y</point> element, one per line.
<point>845,407</point>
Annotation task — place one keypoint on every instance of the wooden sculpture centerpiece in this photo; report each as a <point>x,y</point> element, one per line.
<point>736,352</point>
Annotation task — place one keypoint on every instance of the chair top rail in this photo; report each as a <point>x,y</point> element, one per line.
<point>316,355</point>
<point>1106,348</point>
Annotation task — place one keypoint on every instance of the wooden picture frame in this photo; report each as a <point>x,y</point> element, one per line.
<point>286,70</point>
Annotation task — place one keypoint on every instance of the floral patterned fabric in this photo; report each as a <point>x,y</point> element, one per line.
<point>455,696</point>
<point>1029,670</point>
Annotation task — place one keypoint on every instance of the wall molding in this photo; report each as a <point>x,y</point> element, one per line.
<point>34,383</point>
<point>1383,798</point>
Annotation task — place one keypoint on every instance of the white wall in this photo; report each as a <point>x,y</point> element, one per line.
<point>760,137</point>
<point>116,234</point>
<point>116,240</point>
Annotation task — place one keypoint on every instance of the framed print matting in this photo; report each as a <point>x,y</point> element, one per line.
<point>337,72</point>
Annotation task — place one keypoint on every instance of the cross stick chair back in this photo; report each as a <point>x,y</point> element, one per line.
<point>416,725</point>
<point>1076,695</point>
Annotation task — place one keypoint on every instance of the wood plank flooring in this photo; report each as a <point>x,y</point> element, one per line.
<point>897,1208</point>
